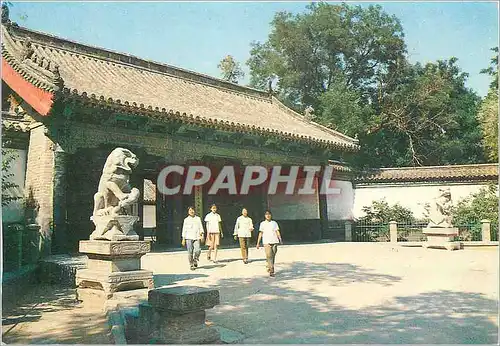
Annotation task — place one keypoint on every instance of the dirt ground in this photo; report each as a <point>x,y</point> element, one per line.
<point>348,293</point>
<point>324,293</point>
<point>51,315</point>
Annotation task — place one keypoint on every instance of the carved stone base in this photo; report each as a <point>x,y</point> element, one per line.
<point>93,299</point>
<point>441,238</point>
<point>113,282</point>
<point>113,266</point>
<point>115,249</point>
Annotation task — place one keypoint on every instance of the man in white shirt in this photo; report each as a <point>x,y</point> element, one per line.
<point>269,232</point>
<point>214,232</point>
<point>243,230</point>
<point>192,235</point>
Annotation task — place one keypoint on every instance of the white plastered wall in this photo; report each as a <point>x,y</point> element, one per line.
<point>409,195</point>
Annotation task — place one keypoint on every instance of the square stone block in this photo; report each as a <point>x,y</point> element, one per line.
<point>115,248</point>
<point>114,264</point>
<point>183,299</point>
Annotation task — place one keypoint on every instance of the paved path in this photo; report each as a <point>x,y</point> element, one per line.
<point>325,293</point>
<point>51,315</point>
<point>348,293</point>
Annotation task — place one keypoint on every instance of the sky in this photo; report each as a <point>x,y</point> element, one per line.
<point>197,35</point>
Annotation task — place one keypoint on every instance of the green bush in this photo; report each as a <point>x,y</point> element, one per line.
<point>377,218</point>
<point>381,212</point>
<point>476,207</point>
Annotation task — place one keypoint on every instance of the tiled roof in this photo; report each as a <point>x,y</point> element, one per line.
<point>12,122</point>
<point>339,166</point>
<point>63,66</point>
<point>431,173</point>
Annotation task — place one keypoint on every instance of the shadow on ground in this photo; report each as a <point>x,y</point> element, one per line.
<point>285,309</point>
<point>281,314</point>
<point>49,314</point>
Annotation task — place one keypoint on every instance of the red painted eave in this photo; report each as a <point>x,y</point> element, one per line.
<point>37,98</point>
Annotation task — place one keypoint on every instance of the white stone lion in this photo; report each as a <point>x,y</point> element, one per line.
<point>439,212</point>
<point>114,195</point>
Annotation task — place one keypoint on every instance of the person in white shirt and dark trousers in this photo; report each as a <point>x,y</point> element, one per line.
<point>192,235</point>
<point>243,231</point>
<point>214,232</point>
<point>269,232</point>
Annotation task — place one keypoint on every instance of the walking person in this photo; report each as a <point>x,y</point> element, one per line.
<point>192,236</point>
<point>214,232</point>
<point>243,231</point>
<point>269,232</point>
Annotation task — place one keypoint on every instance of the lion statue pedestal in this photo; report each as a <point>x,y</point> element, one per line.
<point>114,250</point>
<point>440,231</point>
<point>114,228</point>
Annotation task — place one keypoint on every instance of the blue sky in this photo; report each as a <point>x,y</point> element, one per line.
<point>196,36</point>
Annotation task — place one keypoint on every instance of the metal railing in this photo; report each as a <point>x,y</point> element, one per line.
<point>363,231</point>
<point>21,245</point>
<point>412,231</point>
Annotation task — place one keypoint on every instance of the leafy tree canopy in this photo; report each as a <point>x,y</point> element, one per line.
<point>350,64</point>
<point>230,69</point>
<point>488,112</point>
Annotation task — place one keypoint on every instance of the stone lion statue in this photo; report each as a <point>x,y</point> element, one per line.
<point>114,193</point>
<point>114,197</point>
<point>439,211</point>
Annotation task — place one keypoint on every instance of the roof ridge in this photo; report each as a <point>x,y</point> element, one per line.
<point>132,60</point>
<point>441,167</point>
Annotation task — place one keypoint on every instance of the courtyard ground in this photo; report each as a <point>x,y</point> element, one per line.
<point>349,293</point>
<point>322,293</point>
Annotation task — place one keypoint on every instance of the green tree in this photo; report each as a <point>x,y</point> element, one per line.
<point>349,64</point>
<point>377,216</point>
<point>381,212</point>
<point>476,207</point>
<point>488,112</point>
<point>309,52</point>
<point>230,69</point>
<point>8,157</point>
<point>429,114</point>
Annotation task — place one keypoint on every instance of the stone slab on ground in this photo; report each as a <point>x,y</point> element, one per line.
<point>183,299</point>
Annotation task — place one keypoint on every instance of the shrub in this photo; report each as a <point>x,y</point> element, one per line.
<point>476,207</point>
<point>379,214</point>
